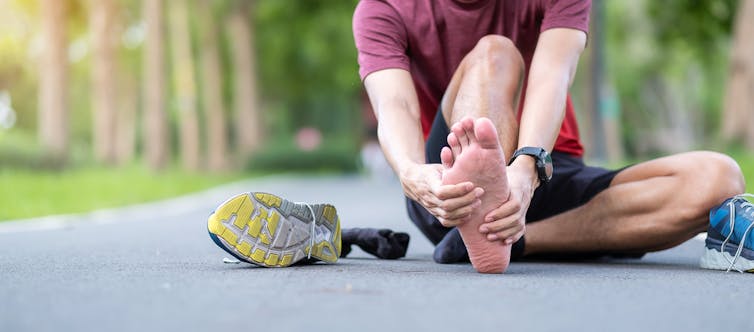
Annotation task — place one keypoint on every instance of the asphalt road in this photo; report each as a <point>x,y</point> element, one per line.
<point>154,268</point>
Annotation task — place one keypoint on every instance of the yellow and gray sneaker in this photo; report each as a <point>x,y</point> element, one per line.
<point>267,230</point>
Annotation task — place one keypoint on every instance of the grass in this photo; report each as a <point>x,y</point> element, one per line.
<point>32,193</point>
<point>26,193</point>
<point>746,161</point>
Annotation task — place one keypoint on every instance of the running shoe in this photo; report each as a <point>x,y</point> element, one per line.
<point>266,230</point>
<point>730,239</point>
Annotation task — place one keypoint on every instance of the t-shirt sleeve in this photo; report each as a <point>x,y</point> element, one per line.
<point>572,14</point>
<point>380,37</point>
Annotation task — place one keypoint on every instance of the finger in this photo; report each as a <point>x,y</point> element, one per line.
<point>462,211</point>
<point>455,203</point>
<point>513,239</point>
<point>451,222</point>
<point>500,225</point>
<point>506,234</point>
<point>507,209</point>
<point>449,191</point>
<point>429,200</point>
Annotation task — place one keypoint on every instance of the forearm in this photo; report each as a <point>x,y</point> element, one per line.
<point>544,108</point>
<point>400,135</point>
<point>550,76</point>
<point>396,107</point>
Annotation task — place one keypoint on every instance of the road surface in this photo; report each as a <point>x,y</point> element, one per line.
<point>153,267</point>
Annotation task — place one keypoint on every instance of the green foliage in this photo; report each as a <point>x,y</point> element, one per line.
<point>308,70</point>
<point>31,193</point>
<point>697,25</point>
<point>660,52</point>
<point>19,150</point>
<point>284,156</point>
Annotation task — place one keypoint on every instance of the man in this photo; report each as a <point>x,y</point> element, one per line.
<point>444,78</point>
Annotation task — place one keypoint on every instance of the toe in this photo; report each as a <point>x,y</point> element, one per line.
<point>460,133</point>
<point>467,124</point>
<point>485,133</point>
<point>446,156</point>
<point>455,146</point>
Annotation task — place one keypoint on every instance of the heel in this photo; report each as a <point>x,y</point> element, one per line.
<point>327,238</point>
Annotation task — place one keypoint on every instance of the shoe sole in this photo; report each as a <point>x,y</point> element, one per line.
<point>714,259</point>
<point>267,230</point>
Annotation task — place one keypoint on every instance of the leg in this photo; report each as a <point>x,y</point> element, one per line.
<point>487,84</point>
<point>484,89</point>
<point>647,207</point>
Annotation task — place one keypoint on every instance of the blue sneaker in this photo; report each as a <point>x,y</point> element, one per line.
<point>730,239</point>
<point>267,230</point>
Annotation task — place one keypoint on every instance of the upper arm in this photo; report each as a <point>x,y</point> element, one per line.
<point>380,37</point>
<point>563,35</point>
<point>381,41</point>
<point>558,49</point>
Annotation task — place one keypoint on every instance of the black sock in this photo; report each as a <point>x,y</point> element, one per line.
<point>451,249</point>
<point>517,250</point>
<point>382,243</point>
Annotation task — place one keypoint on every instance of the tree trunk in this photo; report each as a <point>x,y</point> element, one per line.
<point>738,120</point>
<point>104,87</point>
<point>214,110</point>
<point>53,120</point>
<point>156,136</point>
<point>125,140</point>
<point>248,121</point>
<point>185,84</point>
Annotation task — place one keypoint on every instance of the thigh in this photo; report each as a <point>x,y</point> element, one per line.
<point>573,184</point>
<point>437,139</point>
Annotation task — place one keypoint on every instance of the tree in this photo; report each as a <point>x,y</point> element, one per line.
<point>184,84</point>
<point>53,120</point>
<point>105,35</point>
<point>738,120</point>
<point>247,116</point>
<point>155,117</point>
<point>214,110</point>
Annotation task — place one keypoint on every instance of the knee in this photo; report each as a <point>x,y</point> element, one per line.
<point>714,177</point>
<point>498,53</point>
<point>723,175</point>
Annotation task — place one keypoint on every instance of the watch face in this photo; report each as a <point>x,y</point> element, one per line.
<point>548,165</point>
<point>548,170</point>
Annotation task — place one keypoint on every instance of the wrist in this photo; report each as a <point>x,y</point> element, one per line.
<point>405,170</point>
<point>526,166</point>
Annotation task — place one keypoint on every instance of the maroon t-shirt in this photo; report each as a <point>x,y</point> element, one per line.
<point>429,38</point>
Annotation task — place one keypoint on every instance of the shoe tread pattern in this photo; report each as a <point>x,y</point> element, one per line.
<point>270,231</point>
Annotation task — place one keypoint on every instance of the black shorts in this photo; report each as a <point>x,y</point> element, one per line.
<point>572,185</point>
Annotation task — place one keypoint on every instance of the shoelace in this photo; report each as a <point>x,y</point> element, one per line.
<point>748,208</point>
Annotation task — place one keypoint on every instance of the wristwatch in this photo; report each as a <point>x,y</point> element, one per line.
<point>542,158</point>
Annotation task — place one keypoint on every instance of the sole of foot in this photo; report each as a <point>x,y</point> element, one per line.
<point>475,155</point>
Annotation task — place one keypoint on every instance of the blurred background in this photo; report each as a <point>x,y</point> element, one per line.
<point>112,102</point>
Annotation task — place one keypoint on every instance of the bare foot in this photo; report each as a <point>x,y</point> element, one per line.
<point>475,155</point>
